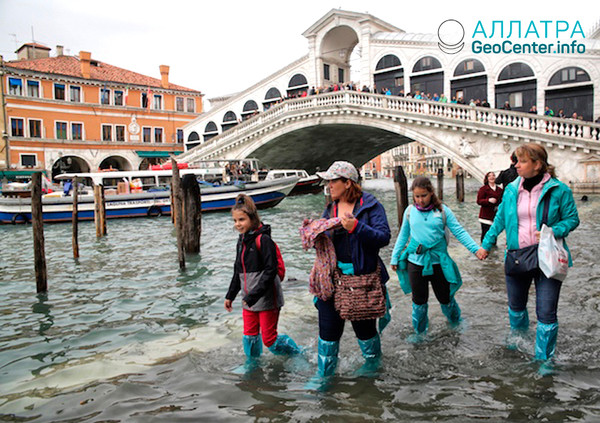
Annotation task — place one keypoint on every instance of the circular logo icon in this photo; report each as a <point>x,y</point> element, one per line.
<point>451,34</point>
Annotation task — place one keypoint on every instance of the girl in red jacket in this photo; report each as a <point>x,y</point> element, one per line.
<point>488,197</point>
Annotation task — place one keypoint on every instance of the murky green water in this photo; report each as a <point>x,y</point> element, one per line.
<point>123,335</point>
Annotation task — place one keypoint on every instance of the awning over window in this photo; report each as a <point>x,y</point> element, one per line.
<point>18,174</point>
<point>156,154</point>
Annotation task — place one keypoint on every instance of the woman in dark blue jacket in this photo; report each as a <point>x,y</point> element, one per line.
<point>364,230</point>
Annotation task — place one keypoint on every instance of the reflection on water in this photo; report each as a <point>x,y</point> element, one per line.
<point>123,335</point>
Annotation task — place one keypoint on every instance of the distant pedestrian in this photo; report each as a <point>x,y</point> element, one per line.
<point>488,197</point>
<point>507,176</point>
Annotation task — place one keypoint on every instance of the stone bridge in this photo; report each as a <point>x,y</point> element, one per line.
<point>314,131</point>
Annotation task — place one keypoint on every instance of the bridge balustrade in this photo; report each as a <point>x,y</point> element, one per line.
<point>407,107</point>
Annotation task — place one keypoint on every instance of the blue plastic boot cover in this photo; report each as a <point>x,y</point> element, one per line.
<point>419,317</point>
<point>284,345</point>
<point>371,348</point>
<point>451,311</point>
<point>328,357</point>
<point>252,345</point>
<point>545,340</point>
<point>519,320</point>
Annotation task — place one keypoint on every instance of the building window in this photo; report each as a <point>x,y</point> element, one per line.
<point>326,71</point>
<point>157,102</point>
<point>118,98</point>
<point>15,86</point>
<point>59,91</point>
<point>33,88</point>
<point>106,133</point>
<point>75,94</point>
<point>179,104</point>
<point>515,99</point>
<point>340,75</point>
<point>144,100</point>
<point>104,96</point>
<point>158,135</point>
<point>146,134</point>
<point>61,130</point>
<point>469,65</point>
<point>28,160</point>
<point>35,128</point>
<point>120,133</point>
<point>16,127</point>
<point>191,105</point>
<point>180,136</point>
<point>568,74</point>
<point>77,131</point>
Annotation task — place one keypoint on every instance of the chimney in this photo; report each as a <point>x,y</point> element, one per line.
<point>60,51</point>
<point>85,57</point>
<point>164,76</point>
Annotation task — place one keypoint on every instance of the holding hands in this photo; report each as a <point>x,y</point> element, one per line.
<point>482,254</point>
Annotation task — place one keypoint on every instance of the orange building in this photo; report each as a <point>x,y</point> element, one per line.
<point>78,114</point>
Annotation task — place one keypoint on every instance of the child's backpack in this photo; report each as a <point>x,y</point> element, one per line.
<point>280,263</point>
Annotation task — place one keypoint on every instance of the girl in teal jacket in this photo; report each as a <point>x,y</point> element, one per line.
<point>520,214</point>
<point>426,258</point>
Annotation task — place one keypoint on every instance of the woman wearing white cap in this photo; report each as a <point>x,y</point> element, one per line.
<point>364,230</point>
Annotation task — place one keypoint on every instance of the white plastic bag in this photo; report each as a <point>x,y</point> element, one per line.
<point>552,256</point>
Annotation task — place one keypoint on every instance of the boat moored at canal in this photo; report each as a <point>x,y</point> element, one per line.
<point>140,193</point>
<point>308,184</point>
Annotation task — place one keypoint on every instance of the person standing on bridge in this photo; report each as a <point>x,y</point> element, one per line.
<point>421,256</point>
<point>535,197</point>
<point>363,232</point>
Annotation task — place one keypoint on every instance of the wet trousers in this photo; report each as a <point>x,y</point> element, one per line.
<point>264,322</point>
<point>331,325</point>
<point>547,291</point>
<point>420,284</point>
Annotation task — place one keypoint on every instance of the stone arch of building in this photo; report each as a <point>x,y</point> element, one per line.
<point>335,48</point>
<point>70,163</point>
<point>389,73</point>
<point>115,162</point>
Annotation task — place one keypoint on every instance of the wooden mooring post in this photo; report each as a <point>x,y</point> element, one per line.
<point>401,188</point>
<point>192,219</point>
<point>440,181</point>
<point>75,238</point>
<point>37,222</point>
<point>460,185</point>
<point>177,210</point>
<point>99,211</point>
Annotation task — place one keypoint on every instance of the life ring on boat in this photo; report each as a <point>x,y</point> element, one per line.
<point>23,217</point>
<point>154,211</point>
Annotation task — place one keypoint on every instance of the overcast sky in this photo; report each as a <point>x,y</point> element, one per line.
<point>224,46</point>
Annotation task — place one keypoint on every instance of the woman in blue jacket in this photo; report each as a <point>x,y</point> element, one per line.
<point>520,214</point>
<point>357,242</point>
<point>425,259</point>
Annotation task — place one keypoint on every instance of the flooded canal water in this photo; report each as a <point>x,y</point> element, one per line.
<point>123,335</point>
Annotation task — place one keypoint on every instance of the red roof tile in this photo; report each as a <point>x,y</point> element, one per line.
<point>71,66</point>
<point>36,45</point>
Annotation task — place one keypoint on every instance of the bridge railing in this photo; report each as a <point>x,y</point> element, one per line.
<point>537,124</point>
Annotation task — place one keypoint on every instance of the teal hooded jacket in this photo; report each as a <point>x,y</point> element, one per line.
<point>562,214</point>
